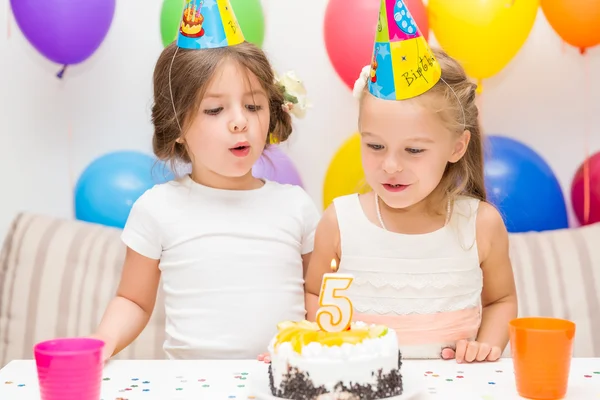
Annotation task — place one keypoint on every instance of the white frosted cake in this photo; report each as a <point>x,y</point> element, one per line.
<point>360,363</point>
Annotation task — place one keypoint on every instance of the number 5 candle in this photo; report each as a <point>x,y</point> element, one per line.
<point>335,309</point>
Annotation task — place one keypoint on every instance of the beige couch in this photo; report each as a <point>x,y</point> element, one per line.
<point>57,276</point>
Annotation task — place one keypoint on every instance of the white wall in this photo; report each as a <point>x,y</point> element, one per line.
<point>538,99</point>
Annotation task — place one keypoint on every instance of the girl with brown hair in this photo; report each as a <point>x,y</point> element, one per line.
<point>229,249</point>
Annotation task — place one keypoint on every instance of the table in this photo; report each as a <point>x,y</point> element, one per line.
<point>220,380</point>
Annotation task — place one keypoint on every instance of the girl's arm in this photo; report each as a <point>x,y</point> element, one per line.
<point>128,313</point>
<point>327,247</point>
<point>499,296</point>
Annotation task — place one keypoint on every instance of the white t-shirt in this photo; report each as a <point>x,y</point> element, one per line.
<point>230,261</point>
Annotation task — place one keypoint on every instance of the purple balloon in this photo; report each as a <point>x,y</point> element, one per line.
<point>275,165</point>
<point>64,31</point>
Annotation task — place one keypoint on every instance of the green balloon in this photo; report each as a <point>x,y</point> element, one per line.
<point>170,16</point>
<point>248,13</point>
<point>251,19</point>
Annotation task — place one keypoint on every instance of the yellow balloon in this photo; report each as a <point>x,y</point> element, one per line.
<point>484,35</point>
<point>345,173</point>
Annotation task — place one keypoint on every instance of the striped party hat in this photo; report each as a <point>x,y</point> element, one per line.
<point>208,24</point>
<point>403,65</point>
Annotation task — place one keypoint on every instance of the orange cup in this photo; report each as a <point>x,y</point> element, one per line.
<point>541,350</point>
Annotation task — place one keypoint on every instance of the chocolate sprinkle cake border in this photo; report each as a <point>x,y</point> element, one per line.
<point>297,385</point>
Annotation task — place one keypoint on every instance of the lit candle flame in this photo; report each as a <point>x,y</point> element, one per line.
<point>334,267</point>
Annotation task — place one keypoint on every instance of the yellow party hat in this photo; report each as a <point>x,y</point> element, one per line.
<point>403,65</point>
<point>207,24</point>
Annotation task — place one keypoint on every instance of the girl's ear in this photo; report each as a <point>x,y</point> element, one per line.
<point>460,146</point>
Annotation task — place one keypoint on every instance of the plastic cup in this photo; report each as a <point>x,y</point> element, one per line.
<point>69,368</point>
<point>541,351</point>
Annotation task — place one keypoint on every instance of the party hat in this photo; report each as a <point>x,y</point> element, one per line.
<point>207,24</point>
<point>403,65</point>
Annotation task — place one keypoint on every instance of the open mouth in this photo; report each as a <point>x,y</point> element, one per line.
<point>240,150</point>
<point>394,187</point>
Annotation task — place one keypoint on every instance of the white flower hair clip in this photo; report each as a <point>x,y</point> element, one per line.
<point>294,94</point>
<point>361,82</point>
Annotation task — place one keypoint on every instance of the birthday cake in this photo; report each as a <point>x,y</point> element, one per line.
<point>307,363</point>
<point>191,23</point>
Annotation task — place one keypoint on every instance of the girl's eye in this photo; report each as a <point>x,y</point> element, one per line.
<point>414,151</point>
<point>253,107</point>
<point>375,146</point>
<point>213,111</point>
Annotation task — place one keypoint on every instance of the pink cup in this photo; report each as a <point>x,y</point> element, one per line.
<point>69,368</point>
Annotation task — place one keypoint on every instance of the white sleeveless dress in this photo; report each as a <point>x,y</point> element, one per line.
<point>425,286</point>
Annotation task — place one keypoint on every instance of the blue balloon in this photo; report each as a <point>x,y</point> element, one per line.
<point>108,187</point>
<point>523,187</point>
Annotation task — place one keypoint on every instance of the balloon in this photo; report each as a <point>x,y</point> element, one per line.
<point>249,14</point>
<point>275,165</point>
<point>65,31</point>
<point>576,21</point>
<point>523,187</point>
<point>345,174</point>
<point>108,187</point>
<point>484,35</point>
<point>251,19</point>
<point>170,16</point>
<point>350,27</point>
<point>578,191</point>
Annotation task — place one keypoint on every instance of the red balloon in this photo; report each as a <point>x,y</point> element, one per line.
<point>578,191</point>
<point>350,27</point>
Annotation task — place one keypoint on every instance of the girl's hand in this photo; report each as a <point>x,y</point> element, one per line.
<point>469,351</point>
<point>264,357</point>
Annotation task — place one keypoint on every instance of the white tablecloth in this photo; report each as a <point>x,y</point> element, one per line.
<point>217,380</point>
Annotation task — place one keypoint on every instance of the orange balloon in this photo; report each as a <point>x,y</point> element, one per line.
<point>576,21</point>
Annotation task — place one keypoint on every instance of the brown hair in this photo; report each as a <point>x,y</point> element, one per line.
<point>190,71</point>
<point>455,94</point>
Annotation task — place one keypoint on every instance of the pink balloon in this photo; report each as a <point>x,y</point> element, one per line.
<point>578,193</point>
<point>350,27</point>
